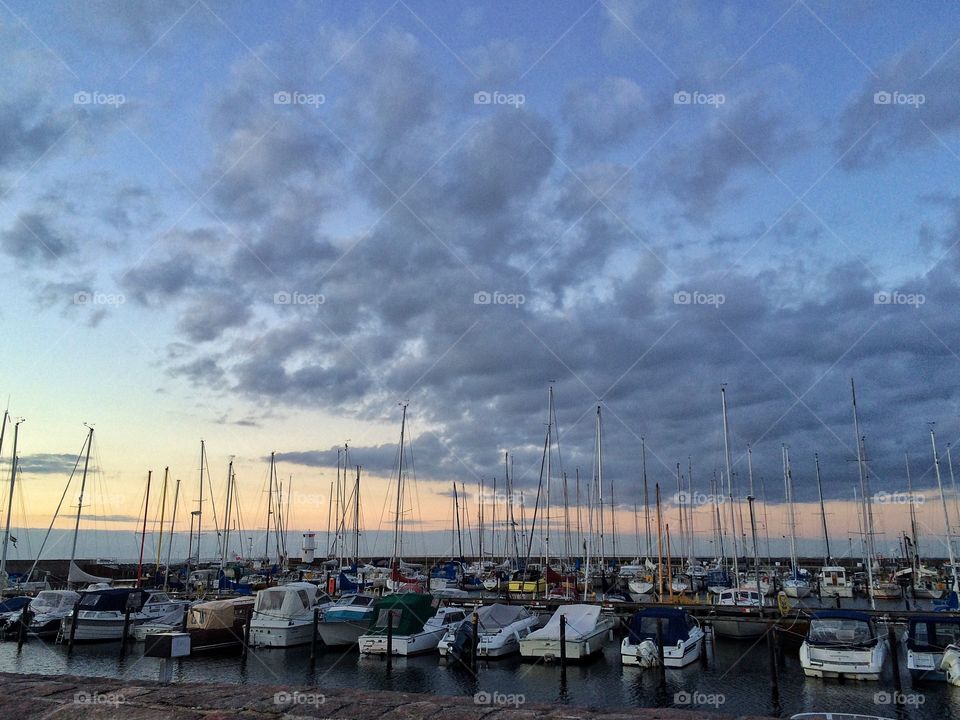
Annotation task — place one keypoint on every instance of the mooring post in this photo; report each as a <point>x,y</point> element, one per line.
<point>662,670</point>
<point>774,672</point>
<point>246,635</point>
<point>183,622</point>
<point>475,622</point>
<point>126,633</point>
<point>313,636</point>
<point>25,617</point>
<point>389,639</point>
<point>563,641</point>
<point>892,640</point>
<point>73,626</point>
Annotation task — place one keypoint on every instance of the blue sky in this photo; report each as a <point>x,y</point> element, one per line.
<point>795,195</point>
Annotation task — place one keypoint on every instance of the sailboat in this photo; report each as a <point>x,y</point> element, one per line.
<point>797,584</point>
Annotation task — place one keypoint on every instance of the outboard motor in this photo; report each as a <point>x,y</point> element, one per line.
<point>648,655</point>
<point>462,648</point>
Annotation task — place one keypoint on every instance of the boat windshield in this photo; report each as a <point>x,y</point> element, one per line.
<point>932,636</point>
<point>840,631</point>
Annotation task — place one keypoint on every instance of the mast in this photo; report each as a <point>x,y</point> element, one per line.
<point>868,528</point>
<point>173,521</point>
<point>83,485</point>
<point>546,516</point>
<point>726,458</point>
<point>646,494</point>
<point>163,514</point>
<point>226,521</point>
<point>266,541</point>
<point>599,479</point>
<point>683,539</point>
<point>823,513</point>
<point>13,480</point>
<point>913,514</point>
<point>953,482</point>
<point>356,523</point>
<point>203,456</point>
<point>143,535</point>
<point>788,488</point>
<point>396,521</point>
<point>946,514</point>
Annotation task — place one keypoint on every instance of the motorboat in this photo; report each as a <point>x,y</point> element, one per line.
<point>843,644</point>
<point>414,625</point>
<point>733,607</point>
<point>500,628</point>
<point>48,609</point>
<point>283,615</point>
<point>834,583</point>
<point>681,633</point>
<point>346,620</point>
<point>165,623</point>
<point>102,612</point>
<point>218,625</point>
<point>11,610</point>
<point>527,582</point>
<point>585,633</point>
<point>927,638</point>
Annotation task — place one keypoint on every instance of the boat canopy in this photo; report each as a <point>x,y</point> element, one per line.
<point>406,612</point>
<point>494,617</point>
<point>218,614</point>
<point>841,628</point>
<point>675,623</point>
<point>14,603</point>
<point>114,599</point>
<point>286,601</point>
<point>53,600</point>
<point>932,633</point>
<point>581,621</point>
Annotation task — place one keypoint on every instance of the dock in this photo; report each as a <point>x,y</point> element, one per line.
<point>32,697</point>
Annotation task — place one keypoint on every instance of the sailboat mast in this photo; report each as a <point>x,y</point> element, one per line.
<point>868,529</point>
<point>143,535</point>
<point>266,540</point>
<point>356,522</point>
<point>396,520</point>
<point>599,478</point>
<point>646,493</point>
<point>823,513</point>
<point>6,532</point>
<point>173,522</point>
<point>163,514</point>
<point>946,514</point>
<point>546,516</point>
<point>83,485</point>
<point>203,451</point>
<point>726,459</point>
<point>913,514</point>
<point>226,526</point>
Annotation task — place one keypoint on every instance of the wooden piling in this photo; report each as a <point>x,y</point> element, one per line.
<point>563,641</point>
<point>73,626</point>
<point>475,622</point>
<point>126,633</point>
<point>895,656</point>
<point>662,667</point>
<point>313,636</point>
<point>246,636</point>
<point>390,640</point>
<point>25,617</point>
<point>774,672</point>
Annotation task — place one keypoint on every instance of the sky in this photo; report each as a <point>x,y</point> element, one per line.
<point>267,226</point>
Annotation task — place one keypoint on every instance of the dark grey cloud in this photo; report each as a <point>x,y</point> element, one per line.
<point>48,463</point>
<point>32,236</point>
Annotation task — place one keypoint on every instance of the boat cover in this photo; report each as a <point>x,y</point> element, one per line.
<point>496,616</point>
<point>411,612</point>
<point>643,625</point>
<point>581,621</point>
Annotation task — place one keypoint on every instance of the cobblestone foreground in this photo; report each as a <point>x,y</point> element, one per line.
<point>30,697</point>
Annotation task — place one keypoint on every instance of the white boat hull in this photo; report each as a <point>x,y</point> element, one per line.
<point>341,634</point>
<point>421,642</point>
<point>675,656</point>
<point>576,647</point>
<point>281,636</point>
<point>850,664</point>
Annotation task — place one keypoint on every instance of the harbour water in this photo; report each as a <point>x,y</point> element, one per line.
<point>734,680</point>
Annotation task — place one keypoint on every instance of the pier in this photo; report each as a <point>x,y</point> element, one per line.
<point>32,697</point>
